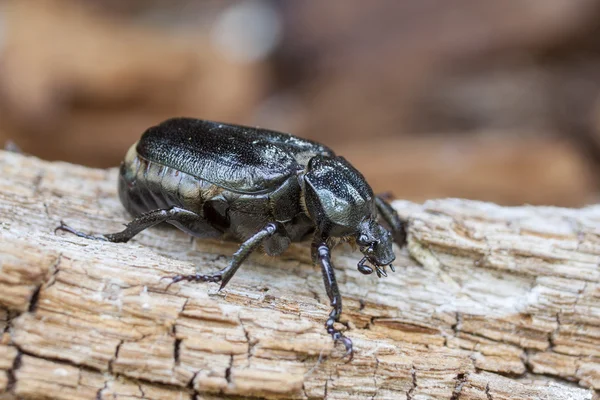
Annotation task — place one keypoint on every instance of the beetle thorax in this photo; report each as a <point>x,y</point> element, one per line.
<point>336,196</point>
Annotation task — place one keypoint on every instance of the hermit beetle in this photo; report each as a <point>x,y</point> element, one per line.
<point>259,187</point>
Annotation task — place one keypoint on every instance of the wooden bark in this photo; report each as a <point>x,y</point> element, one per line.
<point>487,303</point>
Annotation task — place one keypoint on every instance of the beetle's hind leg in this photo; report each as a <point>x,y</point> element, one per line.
<point>173,215</point>
<point>390,216</point>
<point>321,253</point>
<point>224,276</point>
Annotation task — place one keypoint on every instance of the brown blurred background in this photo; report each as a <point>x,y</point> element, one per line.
<point>484,99</point>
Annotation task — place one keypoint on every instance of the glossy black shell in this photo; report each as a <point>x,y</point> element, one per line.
<point>237,158</point>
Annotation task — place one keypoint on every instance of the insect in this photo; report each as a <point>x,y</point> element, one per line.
<point>260,187</point>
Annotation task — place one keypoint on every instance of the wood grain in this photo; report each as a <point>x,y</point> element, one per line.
<point>487,303</point>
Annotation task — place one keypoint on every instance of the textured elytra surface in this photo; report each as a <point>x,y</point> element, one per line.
<point>237,158</point>
<point>487,303</point>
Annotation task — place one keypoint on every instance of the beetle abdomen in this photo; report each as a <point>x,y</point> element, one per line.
<point>145,185</point>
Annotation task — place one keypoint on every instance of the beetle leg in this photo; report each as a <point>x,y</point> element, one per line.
<point>390,216</point>
<point>225,275</point>
<point>138,224</point>
<point>322,254</point>
<point>247,248</point>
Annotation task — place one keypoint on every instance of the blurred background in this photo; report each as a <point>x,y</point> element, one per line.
<point>483,99</point>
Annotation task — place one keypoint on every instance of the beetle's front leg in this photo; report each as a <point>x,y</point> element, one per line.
<point>390,216</point>
<point>321,253</point>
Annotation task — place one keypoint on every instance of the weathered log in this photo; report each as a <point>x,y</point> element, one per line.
<point>487,303</point>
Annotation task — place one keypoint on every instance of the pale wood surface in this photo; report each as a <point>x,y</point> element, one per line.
<point>487,303</point>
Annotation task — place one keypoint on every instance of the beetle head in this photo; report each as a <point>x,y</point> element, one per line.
<point>376,244</point>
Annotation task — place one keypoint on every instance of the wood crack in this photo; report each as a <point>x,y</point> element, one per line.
<point>115,357</point>
<point>488,393</point>
<point>413,374</point>
<point>228,370</point>
<point>101,390</point>
<point>34,299</point>
<point>375,378</point>
<point>12,372</point>
<point>461,379</point>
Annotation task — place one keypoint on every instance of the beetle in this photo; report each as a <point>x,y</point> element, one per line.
<point>259,187</point>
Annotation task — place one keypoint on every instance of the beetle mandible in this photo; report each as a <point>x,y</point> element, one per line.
<point>259,187</point>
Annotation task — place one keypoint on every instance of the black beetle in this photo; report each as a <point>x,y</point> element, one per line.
<point>257,186</point>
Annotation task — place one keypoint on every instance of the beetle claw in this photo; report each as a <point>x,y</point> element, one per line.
<point>67,228</point>
<point>392,268</point>
<point>174,279</point>
<point>348,345</point>
<point>61,227</point>
<point>339,337</point>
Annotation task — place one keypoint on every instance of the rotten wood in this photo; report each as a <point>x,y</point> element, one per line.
<point>487,303</point>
